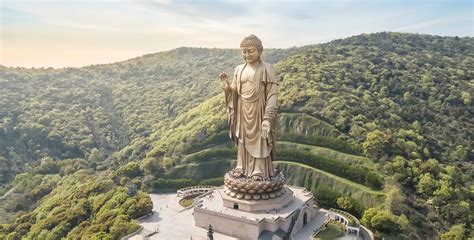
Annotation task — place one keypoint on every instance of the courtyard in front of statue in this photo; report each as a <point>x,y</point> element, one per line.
<point>170,220</point>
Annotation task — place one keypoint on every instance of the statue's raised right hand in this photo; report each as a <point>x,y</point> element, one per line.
<point>223,76</point>
<point>224,83</point>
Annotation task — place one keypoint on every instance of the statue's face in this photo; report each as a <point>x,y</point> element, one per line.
<point>250,54</point>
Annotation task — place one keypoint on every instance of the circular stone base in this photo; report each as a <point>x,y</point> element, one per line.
<point>249,189</point>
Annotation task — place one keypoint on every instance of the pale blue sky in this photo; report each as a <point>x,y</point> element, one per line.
<point>77,33</point>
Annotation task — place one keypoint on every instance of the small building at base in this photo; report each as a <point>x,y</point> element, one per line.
<point>275,219</point>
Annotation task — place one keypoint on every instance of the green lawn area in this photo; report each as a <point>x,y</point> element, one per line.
<point>186,202</point>
<point>329,232</point>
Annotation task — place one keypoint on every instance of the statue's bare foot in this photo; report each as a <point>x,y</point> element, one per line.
<point>257,178</point>
<point>237,173</point>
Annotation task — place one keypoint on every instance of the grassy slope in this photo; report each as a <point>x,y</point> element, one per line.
<point>329,153</point>
<point>305,124</point>
<point>311,177</point>
<point>201,171</point>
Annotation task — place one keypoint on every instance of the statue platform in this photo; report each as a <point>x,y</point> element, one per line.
<point>248,189</point>
<point>260,205</point>
<point>255,219</point>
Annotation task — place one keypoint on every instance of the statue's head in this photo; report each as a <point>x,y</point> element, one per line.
<point>251,48</point>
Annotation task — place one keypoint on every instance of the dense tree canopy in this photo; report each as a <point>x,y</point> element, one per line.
<point>81,206</point>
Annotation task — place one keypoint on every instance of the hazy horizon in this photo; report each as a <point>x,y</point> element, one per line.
<point>81,33</point>
<point>235,48</point>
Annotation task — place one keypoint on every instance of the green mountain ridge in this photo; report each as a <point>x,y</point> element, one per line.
<point>397,105</point>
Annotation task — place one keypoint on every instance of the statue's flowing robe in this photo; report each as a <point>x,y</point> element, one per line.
<point>247,108</point>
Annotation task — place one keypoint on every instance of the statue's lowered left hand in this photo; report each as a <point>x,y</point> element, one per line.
<point>265,129</point>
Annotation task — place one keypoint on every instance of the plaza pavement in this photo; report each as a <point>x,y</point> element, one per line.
<point>172,221</point>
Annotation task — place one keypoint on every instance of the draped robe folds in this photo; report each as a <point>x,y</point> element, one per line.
<point>247,108</point>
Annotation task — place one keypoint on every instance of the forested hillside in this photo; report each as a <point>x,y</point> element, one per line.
<point>379,125</point>
<point>407,99</point>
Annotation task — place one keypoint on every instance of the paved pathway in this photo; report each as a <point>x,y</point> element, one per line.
<point>312,225</point>
<point>348,237</point>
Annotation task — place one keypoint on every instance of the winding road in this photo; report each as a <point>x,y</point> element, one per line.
<point>8,193</point>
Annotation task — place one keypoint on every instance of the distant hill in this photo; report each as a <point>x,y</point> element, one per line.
<point>376,121</point>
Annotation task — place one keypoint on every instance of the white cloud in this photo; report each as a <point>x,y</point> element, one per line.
<point>433,23</point>
<point>129,29</point>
